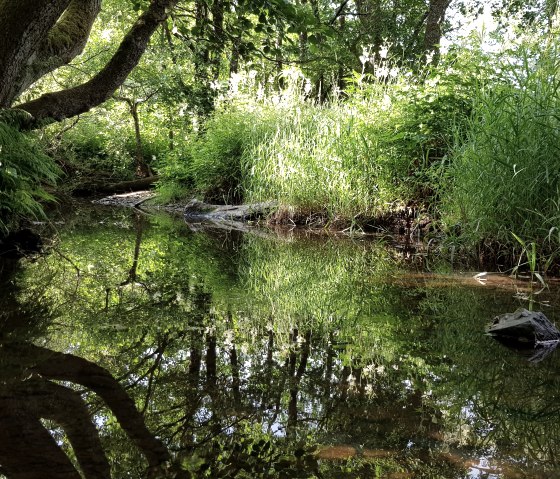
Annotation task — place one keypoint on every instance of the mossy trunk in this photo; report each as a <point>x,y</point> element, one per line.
<point>38,36</point>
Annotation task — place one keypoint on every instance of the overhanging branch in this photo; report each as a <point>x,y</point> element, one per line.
<point>73,101</point>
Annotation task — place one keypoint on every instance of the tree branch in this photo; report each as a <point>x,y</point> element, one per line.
<point>73,101</point>
<point>23,24</point>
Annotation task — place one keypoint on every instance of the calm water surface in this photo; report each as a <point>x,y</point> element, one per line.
<point>141,348</point>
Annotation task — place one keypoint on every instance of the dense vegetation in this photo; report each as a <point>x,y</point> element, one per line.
<point>342,114</point>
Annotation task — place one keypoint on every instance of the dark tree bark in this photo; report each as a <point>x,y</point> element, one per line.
<point>434,20</point>
<point>67,408</point>
<point>73,101</point>
<point>88,189</point>
<point>27,448</point>
<point>28,451</point>
<point>371,20</point>
<point>24,24</point>
<point>235,54</point>
<point>219,35</point>
<point>279,58</point>
<point>303,41</point>
<point>201,50</point>
<point>65,41</point>
<point>211,359</point>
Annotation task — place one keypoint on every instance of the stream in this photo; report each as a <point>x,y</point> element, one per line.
<point>144,347</point>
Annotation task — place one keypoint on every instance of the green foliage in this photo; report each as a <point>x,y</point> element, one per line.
<point>316,342</point>
<point>353,159</point>
<point>216,155</point>
<point>103,145</point>
<point>25,170</point>
<point>505,172</point>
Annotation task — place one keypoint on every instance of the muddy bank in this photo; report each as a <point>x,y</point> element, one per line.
<point>405,221</point>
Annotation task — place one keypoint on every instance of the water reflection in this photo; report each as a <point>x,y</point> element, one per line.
<point>226,355</point>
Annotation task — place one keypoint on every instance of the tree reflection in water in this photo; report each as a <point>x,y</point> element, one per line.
<point>39,384</point>
<point>229,356</point>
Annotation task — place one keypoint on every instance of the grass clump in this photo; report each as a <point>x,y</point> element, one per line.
<point>208,164</point>
<point>361,155</point>
<point>505,171</point>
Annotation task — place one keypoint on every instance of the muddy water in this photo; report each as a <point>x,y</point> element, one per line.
<point>141,346</point>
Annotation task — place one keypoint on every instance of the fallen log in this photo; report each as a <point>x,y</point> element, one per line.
<point>89,189</point>
<point>197,210</point>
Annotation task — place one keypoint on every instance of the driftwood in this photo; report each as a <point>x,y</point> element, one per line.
<point>197,210</point>
<point>89,189</point>
<point>524,326</point>
<point>130,200</point>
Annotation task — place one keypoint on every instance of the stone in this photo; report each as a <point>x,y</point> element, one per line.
<point>524,326</point>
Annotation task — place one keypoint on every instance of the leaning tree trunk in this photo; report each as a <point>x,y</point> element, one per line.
<point>66,40</point>
<point>23,25</point>
<point>30,28</point>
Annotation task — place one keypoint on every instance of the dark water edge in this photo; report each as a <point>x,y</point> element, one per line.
<point>141,348</point>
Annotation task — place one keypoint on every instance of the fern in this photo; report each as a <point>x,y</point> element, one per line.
<point>24,171</point>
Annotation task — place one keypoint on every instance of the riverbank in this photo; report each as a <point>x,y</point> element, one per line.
<point>415,229</point>
<point>404,221</point>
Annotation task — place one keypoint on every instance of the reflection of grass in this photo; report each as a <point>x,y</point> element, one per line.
<point>321,285</point>
<point>384,362</point>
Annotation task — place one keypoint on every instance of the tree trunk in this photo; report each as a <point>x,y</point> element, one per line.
<point>279,58</point>
<point>73,101</point>
<point>434,20</point>
<point>371,20</point>
<point>303,41</point>
<point>23,25</point>
<point>66,367</point>
<point>235,55</point>
<point>65,41</point>
<point>142,168</point>
<point>219,37</point>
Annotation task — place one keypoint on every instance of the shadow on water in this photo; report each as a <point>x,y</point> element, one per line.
<point>138,348</point>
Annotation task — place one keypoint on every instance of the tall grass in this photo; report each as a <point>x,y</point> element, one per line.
<point>332,158</point>
<point>505,171</point>
<point>361,155</point>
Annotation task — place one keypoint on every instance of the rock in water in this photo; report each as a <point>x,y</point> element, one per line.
<point>524,326</point>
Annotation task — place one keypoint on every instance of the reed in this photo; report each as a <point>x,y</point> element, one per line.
<point>505,169</point>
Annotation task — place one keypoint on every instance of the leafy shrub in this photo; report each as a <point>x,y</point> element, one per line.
<point>216,156</point>
<point>174,169</point>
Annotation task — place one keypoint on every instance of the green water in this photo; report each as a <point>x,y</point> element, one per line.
<point>220,354</point>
